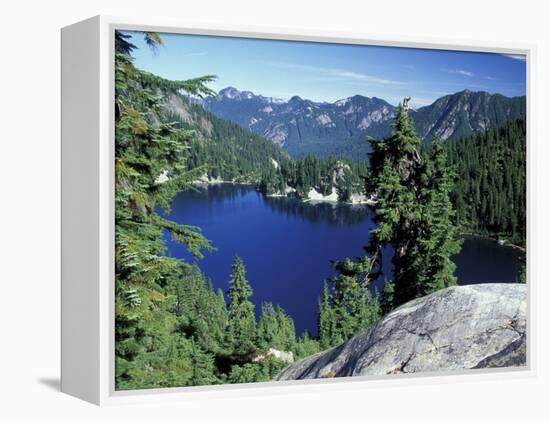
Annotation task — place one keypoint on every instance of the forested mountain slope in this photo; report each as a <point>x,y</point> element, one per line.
<point>230,152</point>
<point>490,191</point>
<point>466,113</point>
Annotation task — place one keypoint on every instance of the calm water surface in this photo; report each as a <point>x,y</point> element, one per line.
<point>287,245</point>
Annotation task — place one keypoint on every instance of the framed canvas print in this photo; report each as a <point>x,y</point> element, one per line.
<point>245,211</point>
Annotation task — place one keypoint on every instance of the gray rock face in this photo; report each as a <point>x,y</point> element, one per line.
<point>471,326</point>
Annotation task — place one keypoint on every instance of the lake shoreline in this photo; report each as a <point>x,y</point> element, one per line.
<point>488,237</point>
<point>317,199</point>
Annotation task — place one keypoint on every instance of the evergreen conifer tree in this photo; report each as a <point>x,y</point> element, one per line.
<point>394,180</point>
<point>203,367</point>
<point>438,238</point>
<point>327,321</point>
<point>142,151</point>
<point>413,212</point>
<point>242,322</point>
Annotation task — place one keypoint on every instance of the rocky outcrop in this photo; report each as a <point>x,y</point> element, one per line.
<point>286,356</point>
<point>473,326</point>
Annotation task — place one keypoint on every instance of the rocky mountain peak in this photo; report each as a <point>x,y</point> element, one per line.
<point>302,126</point>
<point>229,93</point>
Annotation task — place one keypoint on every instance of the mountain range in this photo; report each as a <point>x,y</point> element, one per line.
<point>303,126</point>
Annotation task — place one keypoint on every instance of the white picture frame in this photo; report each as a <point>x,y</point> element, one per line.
<point>88,213</point>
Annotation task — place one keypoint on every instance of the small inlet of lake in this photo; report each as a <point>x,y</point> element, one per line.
<point>287,246</point>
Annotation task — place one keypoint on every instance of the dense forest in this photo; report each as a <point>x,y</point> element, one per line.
<point>324,175</point>
<point>490,191</point>
<point>173,329</point>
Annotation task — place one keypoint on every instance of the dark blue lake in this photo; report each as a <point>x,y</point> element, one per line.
<point>287,245</point>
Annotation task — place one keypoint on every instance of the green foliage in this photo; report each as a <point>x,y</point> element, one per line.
<point>394,179</point>
<point>223,149</point>
<point>346,309</point>
<point>490,190</point>
<point>201,312</point>
<point>306,346</point>
<point>242,322</point>
<point>273,182</point>
<point>143,149</point>
<point>275,329</point>
<point>438,240</point>
<point>153,40</point>
<point>255,372</point>
<point>311,172</point>
<point>413,212</point>
<point>327,320</point>
<point>203,367</point>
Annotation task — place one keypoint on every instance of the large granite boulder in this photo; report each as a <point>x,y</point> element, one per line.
<point>461,327</point>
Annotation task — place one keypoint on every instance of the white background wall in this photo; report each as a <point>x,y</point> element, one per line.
<point>29,209</point>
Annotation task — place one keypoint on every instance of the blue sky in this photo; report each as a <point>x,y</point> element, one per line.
<point>328,72</point>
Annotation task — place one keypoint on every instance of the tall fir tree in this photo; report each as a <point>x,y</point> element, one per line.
<point>143,149</point>
<point>438,236</point>
<point>275,329</point>
<point>394,180</point>
<point>413,212</point>
<point>268,329</point>
<point>242,322</point>
<point>348,306</point>
<point>326,320</point>
<point>203,367</point>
